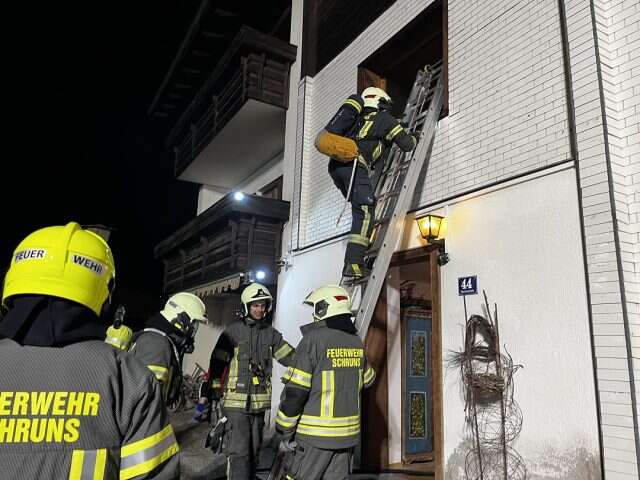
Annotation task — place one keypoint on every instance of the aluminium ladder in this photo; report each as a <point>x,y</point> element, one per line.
<point>395,189</point>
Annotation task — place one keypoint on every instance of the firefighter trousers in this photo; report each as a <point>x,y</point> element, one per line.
<point>244,437</point>
<point>362,207</point>
<point>311,463</point>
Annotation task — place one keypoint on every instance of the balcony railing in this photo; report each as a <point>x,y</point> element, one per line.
<point>228,238</point>
<point>256,66</point>
<point>240,245</point>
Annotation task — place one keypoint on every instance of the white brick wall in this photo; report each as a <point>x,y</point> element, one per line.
<point>507,105</point>
<point>508,116</point>
<point>617,42</point>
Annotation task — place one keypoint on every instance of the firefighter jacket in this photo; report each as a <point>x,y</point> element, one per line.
<point>72,407</point>
<point>246,348</point>
<point>321,398</point>
<point>345,121</point>
<point>377,131</point>
<point>158,353</point>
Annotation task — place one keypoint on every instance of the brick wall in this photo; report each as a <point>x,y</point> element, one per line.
<point>604,82</point>
<point>618,27</point>
<point>507,105</point>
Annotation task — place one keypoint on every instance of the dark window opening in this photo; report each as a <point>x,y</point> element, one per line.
<point>394,65</point>
<point>273,189</point>
<point>331,25</point>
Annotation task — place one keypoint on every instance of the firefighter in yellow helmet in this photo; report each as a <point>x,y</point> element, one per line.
<point>72,406</point>
<point>245,351</point>
<point>319,413</point>
<point>118,334</point>
<point>167,337</point>
<point>366,122</point>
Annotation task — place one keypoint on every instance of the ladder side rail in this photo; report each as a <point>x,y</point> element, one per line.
<point>392,234</point>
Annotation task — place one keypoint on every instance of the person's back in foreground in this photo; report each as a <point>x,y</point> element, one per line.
<point>319,413</point>
<point>71,405</point>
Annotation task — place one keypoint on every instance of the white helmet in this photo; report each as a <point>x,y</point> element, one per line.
<point>187,303</point>
<point>329,301</point>
<point>254,293</point>
<point>373,95</point>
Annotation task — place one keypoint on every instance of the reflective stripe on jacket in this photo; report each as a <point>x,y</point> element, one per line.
<point>248,351</point>
<point>321,399</point>
<point>83,411</point>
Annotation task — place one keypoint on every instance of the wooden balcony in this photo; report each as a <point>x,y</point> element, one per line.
<point>229,238</point>
<point>255,67</point>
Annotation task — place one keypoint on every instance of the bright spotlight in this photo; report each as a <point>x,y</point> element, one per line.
<point>238,196</point>
<point>260,274</point>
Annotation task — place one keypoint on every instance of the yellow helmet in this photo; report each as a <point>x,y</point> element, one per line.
<point>184,302</point>
<point>62,261</point>
<point>372,97</point>
<point>253,293</point>
<point>329,301</point>
<point>120,337</point>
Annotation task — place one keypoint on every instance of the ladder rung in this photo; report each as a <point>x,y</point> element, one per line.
<point>382,221</point>
<point>387,195</point>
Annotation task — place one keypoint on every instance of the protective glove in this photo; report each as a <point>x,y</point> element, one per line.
<point>199,412</point>
<point>287,445</point>
<point>284,440</point>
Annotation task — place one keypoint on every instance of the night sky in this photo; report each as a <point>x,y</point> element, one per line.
<point>78,143</point>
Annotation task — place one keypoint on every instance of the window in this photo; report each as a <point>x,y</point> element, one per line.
<point>394,65</point>
<point>331,25</point>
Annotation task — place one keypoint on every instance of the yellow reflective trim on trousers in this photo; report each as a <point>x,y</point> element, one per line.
<point>283,351</point>
<point>147,442</point>
<point>354,104</point>
<point>161,373</point>
<point>328,389</point>
<point>358,239</point>
<point>149,465</point>
<point>77,459</point>
<point>394,131</point>
<point>216,384</point>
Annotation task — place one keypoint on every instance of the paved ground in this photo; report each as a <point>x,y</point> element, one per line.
<point>198,462</point>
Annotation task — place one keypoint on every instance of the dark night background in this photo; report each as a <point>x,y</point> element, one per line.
<point>79,144</point>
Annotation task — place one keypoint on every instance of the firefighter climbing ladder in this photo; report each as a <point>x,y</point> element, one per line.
<point>395,189</point>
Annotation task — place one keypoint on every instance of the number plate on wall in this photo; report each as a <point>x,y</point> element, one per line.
<point>468,285</point>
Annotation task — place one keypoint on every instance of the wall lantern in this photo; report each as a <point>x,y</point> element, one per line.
<point>430,226</point>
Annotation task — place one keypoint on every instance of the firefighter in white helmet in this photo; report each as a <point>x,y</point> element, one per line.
<point>167,337</point>
<point>319,413</point>
<point>72,405</point>
<point>366,122</point>
<point>243,356</point>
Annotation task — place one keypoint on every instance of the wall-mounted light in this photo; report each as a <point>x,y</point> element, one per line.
<point>430,228</point>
